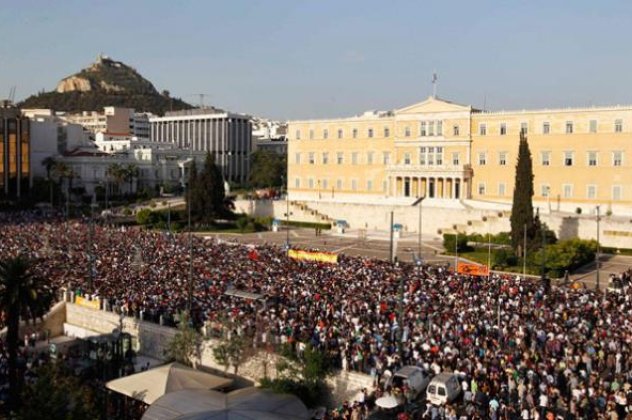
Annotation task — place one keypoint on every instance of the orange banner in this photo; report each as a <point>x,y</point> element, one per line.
<point>473,269</point>
<point>325,257</point>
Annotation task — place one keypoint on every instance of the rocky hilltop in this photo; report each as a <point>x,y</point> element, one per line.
<point>106,82</point>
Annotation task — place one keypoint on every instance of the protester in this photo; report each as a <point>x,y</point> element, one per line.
<point>518,350</point>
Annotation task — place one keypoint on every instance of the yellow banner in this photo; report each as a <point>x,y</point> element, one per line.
<point>473,269</point>
<point>325,257</point>
<point>92,304</point>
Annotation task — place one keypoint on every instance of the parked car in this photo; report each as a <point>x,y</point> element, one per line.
<point>443,388</point>
<point>416,378</point>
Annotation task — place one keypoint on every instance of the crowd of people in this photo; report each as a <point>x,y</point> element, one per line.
<point>520,350</point>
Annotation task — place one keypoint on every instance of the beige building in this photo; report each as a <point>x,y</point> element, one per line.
<point>454,153</point>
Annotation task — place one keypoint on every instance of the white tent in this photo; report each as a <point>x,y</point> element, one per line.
<point>150,385</point>
<point>242,404</point>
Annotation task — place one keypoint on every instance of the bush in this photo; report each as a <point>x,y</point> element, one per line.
<point>242,223</point>
<point>504,258</point>
<point>449,242</point>
<point>578,210</point>
<point>566,255</point>
<point>143,217</point>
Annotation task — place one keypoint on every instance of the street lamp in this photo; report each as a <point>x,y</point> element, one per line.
<point>189,196</point>
<point>456,249</point>
<point>418,202</point>
<point>597,256</point>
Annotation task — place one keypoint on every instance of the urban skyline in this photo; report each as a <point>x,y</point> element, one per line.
<point>265,59</point>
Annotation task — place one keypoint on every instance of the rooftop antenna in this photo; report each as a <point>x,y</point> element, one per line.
<point>12,94</point>
<point>201,96</point>
<point>434,84</point>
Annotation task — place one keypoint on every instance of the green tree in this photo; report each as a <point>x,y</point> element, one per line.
<point>303,376</point>
<point>207,196</point>
<point>58,394</point>
<point>21,295</point>
<point>186,344</point>
<point>117,173</point>
<point>267,169</point>
<point>522,208</point>
<point>131,172</point>
<point>232,348</point>
<point>49,164</point>
<point>192,190</point>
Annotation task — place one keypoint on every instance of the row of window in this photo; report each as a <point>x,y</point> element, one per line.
<point>338,158</point>
<point>435,128</point>
<point>568,158</point>
<point>567,191</point>
<point>324,186</point>
<point>427,129</point>
<point>569,127</point>
<point>340,133</point>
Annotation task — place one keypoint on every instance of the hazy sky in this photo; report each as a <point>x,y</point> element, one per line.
<point>292,59</point>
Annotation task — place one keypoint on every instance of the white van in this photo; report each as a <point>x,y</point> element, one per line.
<point>443,388</point>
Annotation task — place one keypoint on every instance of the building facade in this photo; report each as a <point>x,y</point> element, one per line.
<point>122,121</point>
<point>226,135</point>
<point>15,151</point>
<point>445,151</point>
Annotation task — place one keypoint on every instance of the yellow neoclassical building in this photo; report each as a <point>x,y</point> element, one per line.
<point>446,151</point>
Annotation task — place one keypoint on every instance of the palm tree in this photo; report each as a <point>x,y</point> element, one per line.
<point>131,172</point>
<point>21,295</point>
<point>49,164</point>
<point>118,174</point>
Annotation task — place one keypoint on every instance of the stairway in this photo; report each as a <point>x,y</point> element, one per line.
<point>474,225</point>
<point>301,211</point>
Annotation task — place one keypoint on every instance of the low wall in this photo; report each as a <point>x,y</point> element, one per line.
<point>615,231</point>
<point>51,324</point>
<point>152,340</point>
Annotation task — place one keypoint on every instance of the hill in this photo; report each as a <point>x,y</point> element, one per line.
<point>105,83</point>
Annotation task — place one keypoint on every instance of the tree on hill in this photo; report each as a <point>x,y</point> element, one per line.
<point>522,208</point>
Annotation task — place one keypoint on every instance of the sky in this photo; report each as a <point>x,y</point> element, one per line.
<point>299,59</point>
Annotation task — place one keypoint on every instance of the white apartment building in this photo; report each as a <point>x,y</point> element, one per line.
<point>123,121</point>
<point>226,135</point>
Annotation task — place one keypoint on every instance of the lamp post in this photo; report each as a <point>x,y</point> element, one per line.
<point>287,214</point>
<point>190,287</point>
<point>392,238</point>
<point>418,202</point>
<point>597,256</point>
<point>456,249</point>
<point>524,253</point>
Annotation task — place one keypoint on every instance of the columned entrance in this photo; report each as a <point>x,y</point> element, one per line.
<point>432,187</point>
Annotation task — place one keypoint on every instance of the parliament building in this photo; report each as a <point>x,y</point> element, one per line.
<point>445,151</point>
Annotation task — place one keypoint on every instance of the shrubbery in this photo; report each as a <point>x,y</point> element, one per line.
<point>566,255</point>
<point>449,242</point>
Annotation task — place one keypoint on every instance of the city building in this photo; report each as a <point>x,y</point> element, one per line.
<point>269,136</point>
<point>227,136</point>
<point>152,167</point>
<point>15,153</point>
<point>448,152</point>
<point>51,136</point>
<point>117,120</point>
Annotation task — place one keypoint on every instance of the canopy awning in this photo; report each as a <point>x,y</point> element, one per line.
<point>150,385</point>
<point>243,404</point>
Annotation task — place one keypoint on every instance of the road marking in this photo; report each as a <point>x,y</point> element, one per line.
<point>343,248</point>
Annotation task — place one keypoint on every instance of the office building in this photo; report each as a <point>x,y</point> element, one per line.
<point>226,135</point>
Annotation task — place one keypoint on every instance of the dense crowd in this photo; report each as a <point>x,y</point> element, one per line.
<point>520,350</point>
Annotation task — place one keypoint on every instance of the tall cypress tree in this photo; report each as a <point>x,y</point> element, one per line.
<point>522,208</point>
<point>191,189</point>
<point>207,192</point>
